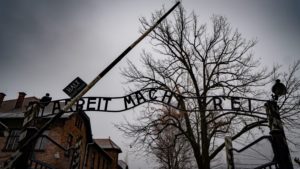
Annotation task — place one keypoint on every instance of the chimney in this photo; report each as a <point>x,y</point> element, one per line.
<point>20,100</point>
<point>2,95</point>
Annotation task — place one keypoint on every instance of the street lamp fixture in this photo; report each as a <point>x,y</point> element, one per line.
<point>278,89</point>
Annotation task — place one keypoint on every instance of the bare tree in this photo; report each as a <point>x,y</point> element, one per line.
<point>171,150</point>
<point>196,61</point>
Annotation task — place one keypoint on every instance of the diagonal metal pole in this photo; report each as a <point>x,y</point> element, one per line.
<point>92,83</point>
<point>118,59</point>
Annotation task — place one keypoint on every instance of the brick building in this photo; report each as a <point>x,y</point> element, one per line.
<point>111,148</point>
<point>66,144</point>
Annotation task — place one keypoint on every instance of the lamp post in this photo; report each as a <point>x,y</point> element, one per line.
<point>278,89</point>
<point>279,144</point>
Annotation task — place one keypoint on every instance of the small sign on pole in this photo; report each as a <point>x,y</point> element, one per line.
<point>75,87</point>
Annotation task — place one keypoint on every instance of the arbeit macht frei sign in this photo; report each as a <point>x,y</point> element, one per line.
<point>123,103</point>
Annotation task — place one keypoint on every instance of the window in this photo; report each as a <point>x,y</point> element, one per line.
<point>78,122</point>
<point>69,141</point>
<point>41,142</point>
<point>12,140</point>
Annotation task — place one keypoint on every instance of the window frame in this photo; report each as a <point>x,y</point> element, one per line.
<point>12,141</point>
<point>41,142</point>
<point>69,141</point>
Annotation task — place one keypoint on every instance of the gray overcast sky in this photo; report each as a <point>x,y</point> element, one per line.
<point>45,44</point>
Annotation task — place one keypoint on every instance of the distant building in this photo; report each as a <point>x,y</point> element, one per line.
<point>111,148</point>
<point>122,164</point>
<point>66,144</point>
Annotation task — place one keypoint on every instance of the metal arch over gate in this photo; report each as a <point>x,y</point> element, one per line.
<point>20,158</point>
<point>156,95</point>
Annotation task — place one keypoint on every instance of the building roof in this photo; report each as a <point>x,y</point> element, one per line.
<point>8,111</point>
<point>102,151</point>
<point>8,106</point>
<point>107,144</point>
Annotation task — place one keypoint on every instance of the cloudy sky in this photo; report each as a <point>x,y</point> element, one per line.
<point>45,44</point>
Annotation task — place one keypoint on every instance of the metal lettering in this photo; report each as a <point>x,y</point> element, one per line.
<point>56,107</point>
<point>152,93</point>
<point>209,103</point>
<point>235,104</point>
<point>217,103</point>
<point>79,104</point>
<point>167,96</point>
<point>106,102</point>
<point>139,97</point>
<point>128,100</point>
<point>90,102</point>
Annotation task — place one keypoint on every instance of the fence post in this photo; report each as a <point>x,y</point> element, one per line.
<point>229,153</point>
